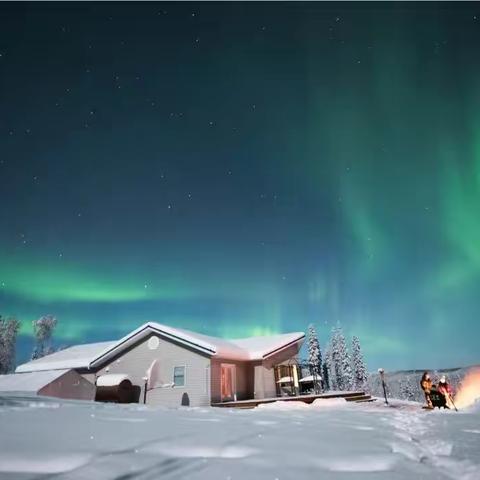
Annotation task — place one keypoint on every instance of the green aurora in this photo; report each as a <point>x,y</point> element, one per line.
<point>298,163</point>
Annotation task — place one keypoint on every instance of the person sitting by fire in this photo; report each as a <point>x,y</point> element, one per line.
<point>426,384</point>
<point>445,389</point>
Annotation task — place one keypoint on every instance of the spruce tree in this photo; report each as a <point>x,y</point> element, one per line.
<point>328,367</point>
<point>359,367</point>
<point>314,356</point>
<point>346,366</point>
<point>325,373</point>
<point>336,360</point>
<point>314,352</point>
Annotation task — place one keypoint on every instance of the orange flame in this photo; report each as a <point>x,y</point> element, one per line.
<point>469,391</point>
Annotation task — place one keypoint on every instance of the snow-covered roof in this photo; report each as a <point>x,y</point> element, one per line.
<point>95,354</point>
<point>78,356</point>
<point>261,347</point>
<point>285,380</point>
<point>28,382</point>
<point>310,378</point>
<point>111,379</point>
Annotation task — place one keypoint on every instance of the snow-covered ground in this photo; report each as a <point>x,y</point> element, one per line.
<point>330,439</point>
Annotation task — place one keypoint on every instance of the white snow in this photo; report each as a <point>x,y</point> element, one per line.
<point>78,356</point>
<point>329,439</point>
<point>111,379</point>
<point>28,382</point>
<point>45,463</point>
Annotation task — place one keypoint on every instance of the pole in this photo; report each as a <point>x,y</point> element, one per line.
<point>145,385</point>
<point>381,371</point>
<point>451,399</point>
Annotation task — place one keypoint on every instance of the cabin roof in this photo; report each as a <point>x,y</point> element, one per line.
<point>30,382</point>
<point>93,355</point>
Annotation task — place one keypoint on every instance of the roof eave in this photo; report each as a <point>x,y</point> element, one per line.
<point>283,347</point>
<point>140,333</point>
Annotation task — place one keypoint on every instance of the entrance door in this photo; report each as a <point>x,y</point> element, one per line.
<point>228,383</point>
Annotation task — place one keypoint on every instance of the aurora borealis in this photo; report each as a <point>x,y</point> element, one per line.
<point>244,168</point>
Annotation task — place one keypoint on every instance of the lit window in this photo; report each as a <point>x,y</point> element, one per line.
<point>179,376</point>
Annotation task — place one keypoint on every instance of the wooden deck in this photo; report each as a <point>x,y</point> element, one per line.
<point>252,403</point>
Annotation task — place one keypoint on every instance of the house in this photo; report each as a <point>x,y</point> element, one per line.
<point>161,365</point>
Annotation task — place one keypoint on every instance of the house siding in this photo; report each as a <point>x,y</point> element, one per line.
<point>243,379</point>
<point>70,385</point>
<point>264,382</point>
<point>264,374</point>
<point>136,361</point>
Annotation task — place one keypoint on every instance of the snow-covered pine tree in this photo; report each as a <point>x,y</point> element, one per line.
<point>8,337</point>
<point>346,365</point>
<point>359,368</point>
<point>43,330</point>
<point>408,391</point>
<point>314,356</point>
<point>336,376</point>
<point>328,367</point>
<point>314,352</point>
<point>325,372</point>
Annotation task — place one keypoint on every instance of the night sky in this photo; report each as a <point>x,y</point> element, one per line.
<point>244,169</point>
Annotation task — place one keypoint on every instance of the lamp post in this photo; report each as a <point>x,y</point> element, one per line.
<point>381,371</point>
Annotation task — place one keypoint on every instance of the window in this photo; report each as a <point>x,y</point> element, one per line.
<point>179,376</point>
